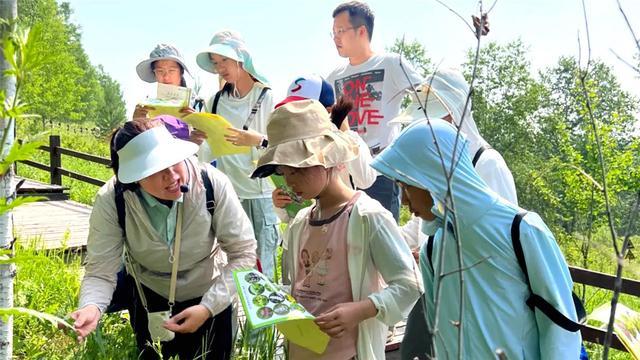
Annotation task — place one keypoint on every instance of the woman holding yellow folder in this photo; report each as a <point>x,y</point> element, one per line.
<point>246,102</point>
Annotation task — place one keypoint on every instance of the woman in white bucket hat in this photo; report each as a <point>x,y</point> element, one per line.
<point>246,102</point>
<point>166,224</point>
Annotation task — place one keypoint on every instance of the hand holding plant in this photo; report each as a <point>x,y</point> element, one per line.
<point>280,198</point>
<point>86,320</point>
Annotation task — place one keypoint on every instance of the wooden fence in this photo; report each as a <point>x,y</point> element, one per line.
<point>55,168</point>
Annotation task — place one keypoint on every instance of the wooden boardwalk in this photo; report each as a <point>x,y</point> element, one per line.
<point>51,224</point>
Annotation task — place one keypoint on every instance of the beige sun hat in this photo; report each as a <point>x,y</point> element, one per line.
<point>301,135</point>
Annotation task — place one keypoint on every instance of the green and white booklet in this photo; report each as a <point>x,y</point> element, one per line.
<point>266,304</point>
<point>170,99</point>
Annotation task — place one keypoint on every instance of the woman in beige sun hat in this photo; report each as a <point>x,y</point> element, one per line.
<point>353,242</point>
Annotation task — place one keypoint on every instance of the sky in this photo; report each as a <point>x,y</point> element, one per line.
<point>288,38</point>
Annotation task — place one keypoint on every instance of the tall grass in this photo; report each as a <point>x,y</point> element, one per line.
<point>49,282</point>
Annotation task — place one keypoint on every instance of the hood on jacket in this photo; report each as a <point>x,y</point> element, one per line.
<point>414,159</point>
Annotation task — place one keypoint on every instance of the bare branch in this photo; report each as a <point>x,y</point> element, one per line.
<point>443,275</point>
<point>492,6</point>
<point>458,15</point>
<point>635,68</point>
<point>626,20</point>
<point>584,73</point>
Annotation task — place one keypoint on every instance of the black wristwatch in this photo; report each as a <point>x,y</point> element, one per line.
<point>264,143</point>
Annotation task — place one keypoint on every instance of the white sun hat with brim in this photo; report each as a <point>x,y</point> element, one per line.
<point>431,99</point>
<point>161,52</point>
<point>231,45</point>
<point>151,151</point>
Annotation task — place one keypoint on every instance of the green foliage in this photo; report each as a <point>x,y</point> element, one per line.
<point>67,87</point>
<point>260,344</point>
<point>19,151</point>
<point>20,311</point>
<point>111,112</point>
<point>49,283</point>
<point>415,53</point>
<point>6,206</point>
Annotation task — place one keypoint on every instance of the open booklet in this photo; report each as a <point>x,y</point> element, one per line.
<point>626,325</point>
<point>169,100</point>
<point>265,304</point>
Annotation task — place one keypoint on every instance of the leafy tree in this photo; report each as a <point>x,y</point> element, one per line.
<point>414,53</point>
<point>67,87</point>
<point>111,109</point>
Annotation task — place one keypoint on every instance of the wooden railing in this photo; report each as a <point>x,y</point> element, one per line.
<point>602,281</point>
<point>55,168</point>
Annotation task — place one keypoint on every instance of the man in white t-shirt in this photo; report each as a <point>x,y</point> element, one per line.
<point>376,83</point>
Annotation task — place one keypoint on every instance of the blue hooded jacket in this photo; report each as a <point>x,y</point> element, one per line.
<point>495,290</point>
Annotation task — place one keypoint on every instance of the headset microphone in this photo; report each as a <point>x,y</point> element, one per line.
<point>184,188</point>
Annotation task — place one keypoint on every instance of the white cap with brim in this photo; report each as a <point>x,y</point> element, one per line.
<point>435,108</point>
<point>151,151</point>
<point>161,52</point>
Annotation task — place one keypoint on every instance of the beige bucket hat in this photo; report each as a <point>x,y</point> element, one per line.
<point>301,135</point>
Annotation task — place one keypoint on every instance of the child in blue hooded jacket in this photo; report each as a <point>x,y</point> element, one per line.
<point>495,289</point>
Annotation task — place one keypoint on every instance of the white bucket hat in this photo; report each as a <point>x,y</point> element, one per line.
<point>151,151</point>
<point>161,52</point>
<point>435,107</point>
<point>231,45</point>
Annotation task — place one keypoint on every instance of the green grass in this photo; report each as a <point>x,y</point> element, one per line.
<point>49,282</point>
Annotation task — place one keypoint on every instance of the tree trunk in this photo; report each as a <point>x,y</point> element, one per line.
<point>8,11</point>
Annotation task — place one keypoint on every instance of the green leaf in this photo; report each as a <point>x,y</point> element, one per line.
<point>18,152</point>
<point>19,201</point>
<point>20,311</point>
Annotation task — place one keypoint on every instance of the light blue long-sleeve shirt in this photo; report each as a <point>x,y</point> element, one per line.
<point>495,290</point>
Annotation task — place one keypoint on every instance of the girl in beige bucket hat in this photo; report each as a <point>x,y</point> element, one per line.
<point>338,251</point>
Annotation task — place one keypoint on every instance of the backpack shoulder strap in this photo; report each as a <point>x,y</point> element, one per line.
<point>482,149</point>
<point>430,250</point>
<point>517,246</point>
<point>216,98</point>
<point>255,108</point>
<point>208,186</point>
<point>535,300</point>
<point>430,242</point>
<point>120,207</point>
